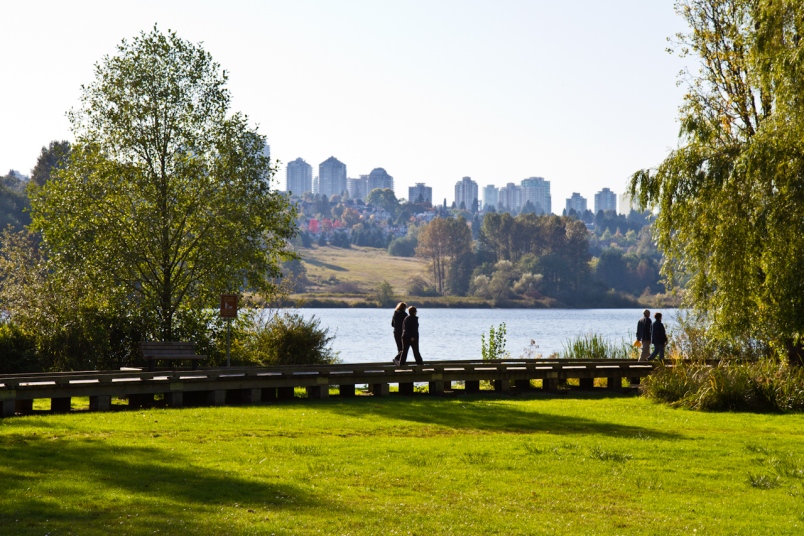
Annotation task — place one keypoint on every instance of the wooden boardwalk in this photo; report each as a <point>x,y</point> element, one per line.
<point>254,385</point>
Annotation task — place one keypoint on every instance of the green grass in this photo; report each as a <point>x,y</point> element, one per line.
<point>575,464</point>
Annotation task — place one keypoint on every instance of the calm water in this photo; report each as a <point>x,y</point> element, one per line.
<point>365,335</point>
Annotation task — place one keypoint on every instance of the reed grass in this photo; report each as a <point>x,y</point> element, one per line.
<point>595,346</point>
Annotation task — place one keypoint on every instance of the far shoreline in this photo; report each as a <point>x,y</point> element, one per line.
<point>619,302</point>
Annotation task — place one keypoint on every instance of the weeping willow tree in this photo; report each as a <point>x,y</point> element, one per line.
<point>730,198</point>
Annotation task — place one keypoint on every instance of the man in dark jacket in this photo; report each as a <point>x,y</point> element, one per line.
<point>658,336</point>
<point>396,323</point>
<point>643,334</point>
<point>410,337</point>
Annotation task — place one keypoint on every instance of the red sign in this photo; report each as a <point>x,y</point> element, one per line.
<point>228,305</point>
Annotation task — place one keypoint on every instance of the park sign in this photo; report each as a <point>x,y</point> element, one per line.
<point>228,305</point>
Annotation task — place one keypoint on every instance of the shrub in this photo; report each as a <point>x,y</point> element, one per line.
<point>418,286</point>
<point>404,246</point>
<point>494,348</point>
<point>17,350</point>
<point>763,385</point>
<point>385,294</point>
<point>290,339</point>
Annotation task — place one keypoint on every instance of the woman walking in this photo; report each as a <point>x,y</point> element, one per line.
<point>396,323</point>
<point>410,337</point>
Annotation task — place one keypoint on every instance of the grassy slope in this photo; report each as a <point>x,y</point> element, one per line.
<point>367,267</point>
<point>469,465</point>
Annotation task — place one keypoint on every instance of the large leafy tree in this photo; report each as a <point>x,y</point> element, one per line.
<point>730,198</point>
<point>166,200</point>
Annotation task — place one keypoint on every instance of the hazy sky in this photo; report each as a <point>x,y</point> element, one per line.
<point>581,93</point>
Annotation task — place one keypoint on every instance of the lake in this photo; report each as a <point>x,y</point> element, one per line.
<point>365,335</point>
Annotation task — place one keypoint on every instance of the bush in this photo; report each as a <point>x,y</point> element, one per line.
<point>17,351</point>
<point>494,348</point>
<point>385,294</point>
<point>764,385</point>
<point>419,287</point>
<point>404,246</point>
<point>290,339</point>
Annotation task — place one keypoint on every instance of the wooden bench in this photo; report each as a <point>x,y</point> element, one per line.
<point>152,351</point>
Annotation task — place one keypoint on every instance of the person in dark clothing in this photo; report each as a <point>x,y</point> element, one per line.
<point>643,334</point>
<point>410,337</point>
<point>396,323</point>
<point>659,337</point>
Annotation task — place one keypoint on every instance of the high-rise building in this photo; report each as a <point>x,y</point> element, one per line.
<point>357,188</point>
<point>420,192</point>
<point>627,204</point>
<point>331,177</point>
<point>537,191</point>
<point>299,177</point>
<point>605,200</point>
<point>379,178</point>
<point>577,203</point>
<point>491,195</point>
<point>510,198</point>
<point>465,192</point>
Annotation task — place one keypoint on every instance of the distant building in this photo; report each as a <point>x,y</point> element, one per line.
<point>420,191</point>
<point>577,203</point>
<point>299,177</point>
<point>331,177</point>
<point>357,188</point>
<point>537,191</point>
<point>627,204</point>
<point>379,178</point>
<point>510,198</point>
<point>491,195</point>
<point>465,192</point>
<point>605,200</point>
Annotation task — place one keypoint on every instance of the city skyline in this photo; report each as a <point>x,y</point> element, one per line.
<point>535,190</point>
<point>582,94</point>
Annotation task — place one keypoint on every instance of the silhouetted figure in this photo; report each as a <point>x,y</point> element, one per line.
<point>659,337</point>
<point>410,337</point>
<point>643,334</point>
<point>396,322</point>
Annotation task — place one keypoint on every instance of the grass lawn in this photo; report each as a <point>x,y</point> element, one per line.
<point>365,267</point>
<point>574,464</point>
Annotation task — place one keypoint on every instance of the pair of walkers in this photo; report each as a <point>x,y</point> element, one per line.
<point>406,333</point>
<point>651,332</point>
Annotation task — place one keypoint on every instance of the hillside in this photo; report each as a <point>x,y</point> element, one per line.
<point>350,277</point>
<point>354,274</point>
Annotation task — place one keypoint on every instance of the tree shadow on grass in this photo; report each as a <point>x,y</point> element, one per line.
<point>65,486</point>
<point>326,265</point>
<point>488,415</point>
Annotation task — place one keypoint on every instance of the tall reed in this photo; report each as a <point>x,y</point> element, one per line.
<point>595,346</point>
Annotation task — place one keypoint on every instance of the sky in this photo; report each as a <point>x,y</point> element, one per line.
<point>581,93</point>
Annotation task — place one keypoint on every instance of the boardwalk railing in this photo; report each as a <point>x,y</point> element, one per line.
<point>264,384</point>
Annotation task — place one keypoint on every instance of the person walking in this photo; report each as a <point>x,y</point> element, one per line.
<point>643,334</point>
<point>410,337</point>
<point>396,323</point>
<point>658,336</point>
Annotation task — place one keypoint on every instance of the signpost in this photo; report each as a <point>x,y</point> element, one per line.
<point>228,311</point>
